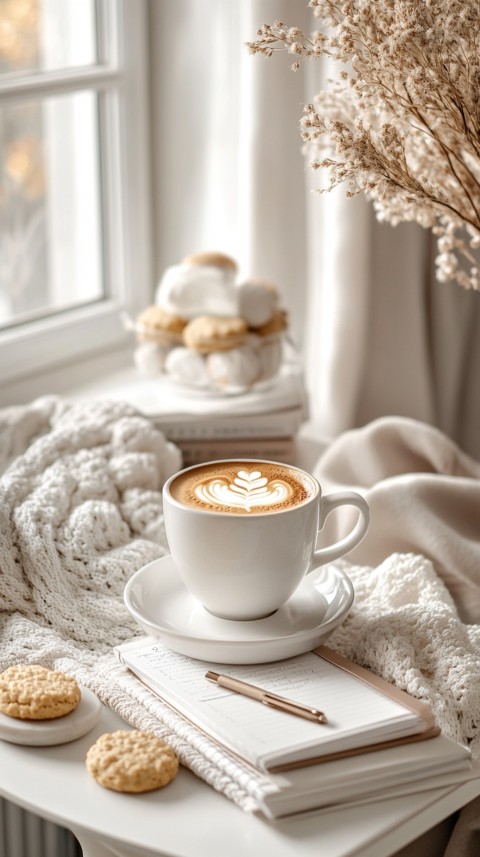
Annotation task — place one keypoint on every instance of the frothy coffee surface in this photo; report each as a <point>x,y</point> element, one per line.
<point>243,488</point>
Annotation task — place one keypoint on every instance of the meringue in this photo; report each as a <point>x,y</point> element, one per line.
<point>270,354</point>
<point>189,290</point>
<point>237,368</point>
<point>186,367</point>
<point>149,358</point>
<point>257,302</point>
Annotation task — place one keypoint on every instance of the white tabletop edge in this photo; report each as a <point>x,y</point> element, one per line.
<point>53,783</point>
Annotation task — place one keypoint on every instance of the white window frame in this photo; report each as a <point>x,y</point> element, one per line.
<point>121,80</point>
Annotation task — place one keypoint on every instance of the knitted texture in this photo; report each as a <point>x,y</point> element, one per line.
<point>81,511</point>
<point>405,627</point>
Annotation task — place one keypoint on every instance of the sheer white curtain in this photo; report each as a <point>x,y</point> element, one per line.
<point>229,170</point>
<point>378,334</point>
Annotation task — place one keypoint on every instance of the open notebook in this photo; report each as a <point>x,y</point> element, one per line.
<point>364,712</point>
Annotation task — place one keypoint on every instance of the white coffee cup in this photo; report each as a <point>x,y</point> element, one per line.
<point>243,533</point>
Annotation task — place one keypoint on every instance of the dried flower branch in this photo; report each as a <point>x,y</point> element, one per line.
<point>402,122</point>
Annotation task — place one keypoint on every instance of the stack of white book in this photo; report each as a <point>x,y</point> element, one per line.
<point>377,741</point>
<point>261,423</point>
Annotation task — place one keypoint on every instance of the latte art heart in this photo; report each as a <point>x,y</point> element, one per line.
<point>248,491</point>
<point>242,487</point>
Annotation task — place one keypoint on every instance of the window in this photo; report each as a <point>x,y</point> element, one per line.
<point>74,184</point>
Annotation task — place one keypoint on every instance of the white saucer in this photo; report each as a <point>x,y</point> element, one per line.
<point>60,730</point>
<point>164,608</point>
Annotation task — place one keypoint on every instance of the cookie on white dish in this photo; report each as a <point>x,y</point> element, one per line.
<point>34,692</point>
<point>203,284</point>
<point>257,302</point>
<point>186,367</point>
<point>237,368</point>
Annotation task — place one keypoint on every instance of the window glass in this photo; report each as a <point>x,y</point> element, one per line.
<point>43,35</point>
<point>50,206</point>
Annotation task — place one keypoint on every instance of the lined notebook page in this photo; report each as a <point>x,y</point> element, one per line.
<point>357,713</point>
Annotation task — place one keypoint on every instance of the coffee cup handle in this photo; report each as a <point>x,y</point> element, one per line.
<point>330,502</point>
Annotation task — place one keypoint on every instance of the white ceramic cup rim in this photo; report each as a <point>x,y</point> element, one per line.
<point>213,512</point>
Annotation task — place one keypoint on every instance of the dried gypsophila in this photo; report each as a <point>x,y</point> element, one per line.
<point>402,122</point>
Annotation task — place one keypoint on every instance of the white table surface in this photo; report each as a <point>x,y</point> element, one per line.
<point>189,819</point>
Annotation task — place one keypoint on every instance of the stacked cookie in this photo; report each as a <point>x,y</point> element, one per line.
<point>207,330</point>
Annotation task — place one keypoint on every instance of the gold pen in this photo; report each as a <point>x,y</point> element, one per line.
<point>266,697</point>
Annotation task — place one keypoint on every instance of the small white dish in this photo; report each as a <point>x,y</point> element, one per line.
<point>59,730</point>
<point>163,607</point>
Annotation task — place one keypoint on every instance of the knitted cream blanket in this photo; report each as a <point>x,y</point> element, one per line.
<point>80,511</point>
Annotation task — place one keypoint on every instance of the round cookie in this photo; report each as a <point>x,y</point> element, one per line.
<point>131,761</point>
<point>156,324</point>
<point>213,333</point>
<point>219,260</point>
<point>33,692</point>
